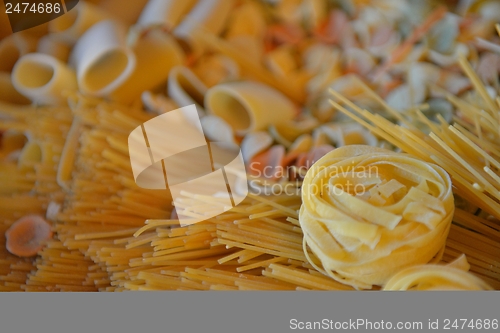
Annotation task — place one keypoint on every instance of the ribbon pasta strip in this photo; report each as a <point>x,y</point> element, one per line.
<point>369,212</point>
<point>454,276</point>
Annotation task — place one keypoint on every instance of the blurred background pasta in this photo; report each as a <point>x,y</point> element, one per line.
<point>288,81</point>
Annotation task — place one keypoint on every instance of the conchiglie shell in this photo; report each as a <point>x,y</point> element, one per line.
<point>185,88</point>
<point>254,143</point>
<point>72,25</point>
<point>446,60</point>
<point>103,60</point>
<point>348,134</point>
<point>210,15</point>
<point>217,130</point>
<point>156,53</point>
<point>43,79</point>
<point>249,106</point>
<point>166,13</point>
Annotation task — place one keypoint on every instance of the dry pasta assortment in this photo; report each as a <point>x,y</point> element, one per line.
<point>370,132</point>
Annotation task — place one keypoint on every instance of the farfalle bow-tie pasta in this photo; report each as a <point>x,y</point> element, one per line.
<point>368,212</point>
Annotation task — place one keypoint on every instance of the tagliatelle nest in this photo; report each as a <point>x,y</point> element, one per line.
<point>368,212</point>
<point>454,276</point>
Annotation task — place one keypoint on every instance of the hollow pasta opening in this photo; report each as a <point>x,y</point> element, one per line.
<point>31,74</point>
<point>230,109</point>
<point>105,70</point>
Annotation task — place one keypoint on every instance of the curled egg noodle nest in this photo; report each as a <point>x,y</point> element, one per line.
<point>368,212</point>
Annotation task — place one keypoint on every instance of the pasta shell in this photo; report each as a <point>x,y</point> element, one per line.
<point>43,79</point>
<point>244,105</point>
<point>217,130</point>
<point>254,143</point>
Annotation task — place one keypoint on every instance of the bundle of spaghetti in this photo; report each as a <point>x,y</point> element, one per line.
<point>31,147</point>
<point>102,201</point>
<point>465,237</point>
<point>60,269</point>
<point>468,151</point>
<point>475,176</point>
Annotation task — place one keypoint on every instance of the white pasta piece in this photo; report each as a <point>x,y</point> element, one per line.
<point>185,88</point>
<point>249,106</point>
<point>166,13</point>
<point>210,15</point>
<point>102,59</point>
<point>43,79</point>
<point>70,26</point>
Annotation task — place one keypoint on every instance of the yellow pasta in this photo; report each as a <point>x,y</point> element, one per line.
<point>453,276</point>
<point>369,212</point>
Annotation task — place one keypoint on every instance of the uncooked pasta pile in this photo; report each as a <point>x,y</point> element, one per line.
<point>369,131</point>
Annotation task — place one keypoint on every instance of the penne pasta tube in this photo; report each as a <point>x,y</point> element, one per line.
<point>156,53</point>
<point>185,88</point>
<point>43,78</point>
<point>8,93</point>
<point>248,106</point>
<point>102,59</point>
<point>70,26</point>
<point>14,47</point>
<point>166,13</point>
<point>210,15</point>
<point>50,46</point>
